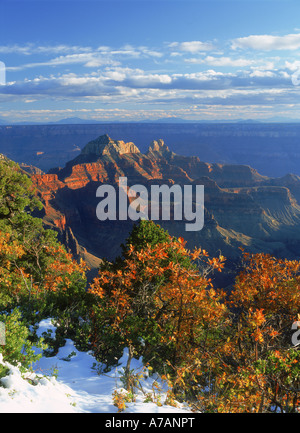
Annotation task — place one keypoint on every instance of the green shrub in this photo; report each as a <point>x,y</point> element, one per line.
<point>19,342</point>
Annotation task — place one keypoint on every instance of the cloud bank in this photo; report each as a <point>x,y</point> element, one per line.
<point>246,71</point>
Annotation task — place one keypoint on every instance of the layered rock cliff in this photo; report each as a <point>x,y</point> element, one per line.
<point>242,207</point>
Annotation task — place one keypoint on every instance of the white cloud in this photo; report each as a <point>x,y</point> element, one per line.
<point>87,56</point>
<point>260,74</point>
<point>268,42</point>
<point>192,46</point>
<point>221,61</point>
<point>149,52</point>
<point>87,59</point>
<point>293,66</point>
<point>30,48</point>
<point>265,65</point>
<point>114,81</point>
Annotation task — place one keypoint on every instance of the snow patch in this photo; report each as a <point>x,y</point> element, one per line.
<point>69,383</point>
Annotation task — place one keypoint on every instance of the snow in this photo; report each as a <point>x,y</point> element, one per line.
<point>69,383</point>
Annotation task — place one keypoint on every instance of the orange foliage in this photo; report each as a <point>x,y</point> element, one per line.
<point>266,299</point>
<point>177,298</point>
<point>16,280</point>
<point>237,347</point>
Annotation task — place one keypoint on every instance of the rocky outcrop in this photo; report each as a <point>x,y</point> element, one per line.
<point>30,169</point>
<point>158,149</point>
<point>105,146</point>
<point>47,185</point>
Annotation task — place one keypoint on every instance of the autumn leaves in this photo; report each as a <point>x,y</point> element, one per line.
<point>223,352</point>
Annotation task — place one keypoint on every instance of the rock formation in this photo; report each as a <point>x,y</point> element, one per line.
<point>242,207</point>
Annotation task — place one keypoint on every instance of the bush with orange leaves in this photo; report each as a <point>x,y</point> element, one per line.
<point>263,371</point>
<point>220,352</point>
<point>159,305</point>
<point>54,289</point>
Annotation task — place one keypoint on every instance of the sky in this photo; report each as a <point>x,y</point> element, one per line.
<point>123,60</point>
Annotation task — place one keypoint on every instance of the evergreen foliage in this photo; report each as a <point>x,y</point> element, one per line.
<point>143,233</point>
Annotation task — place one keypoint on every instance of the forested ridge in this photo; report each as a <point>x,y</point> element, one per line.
<point>218,351</point>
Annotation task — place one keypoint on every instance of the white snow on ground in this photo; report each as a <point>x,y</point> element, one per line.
<point>75,386</point>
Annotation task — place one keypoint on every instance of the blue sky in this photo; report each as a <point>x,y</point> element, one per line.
<point>137,60</point>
